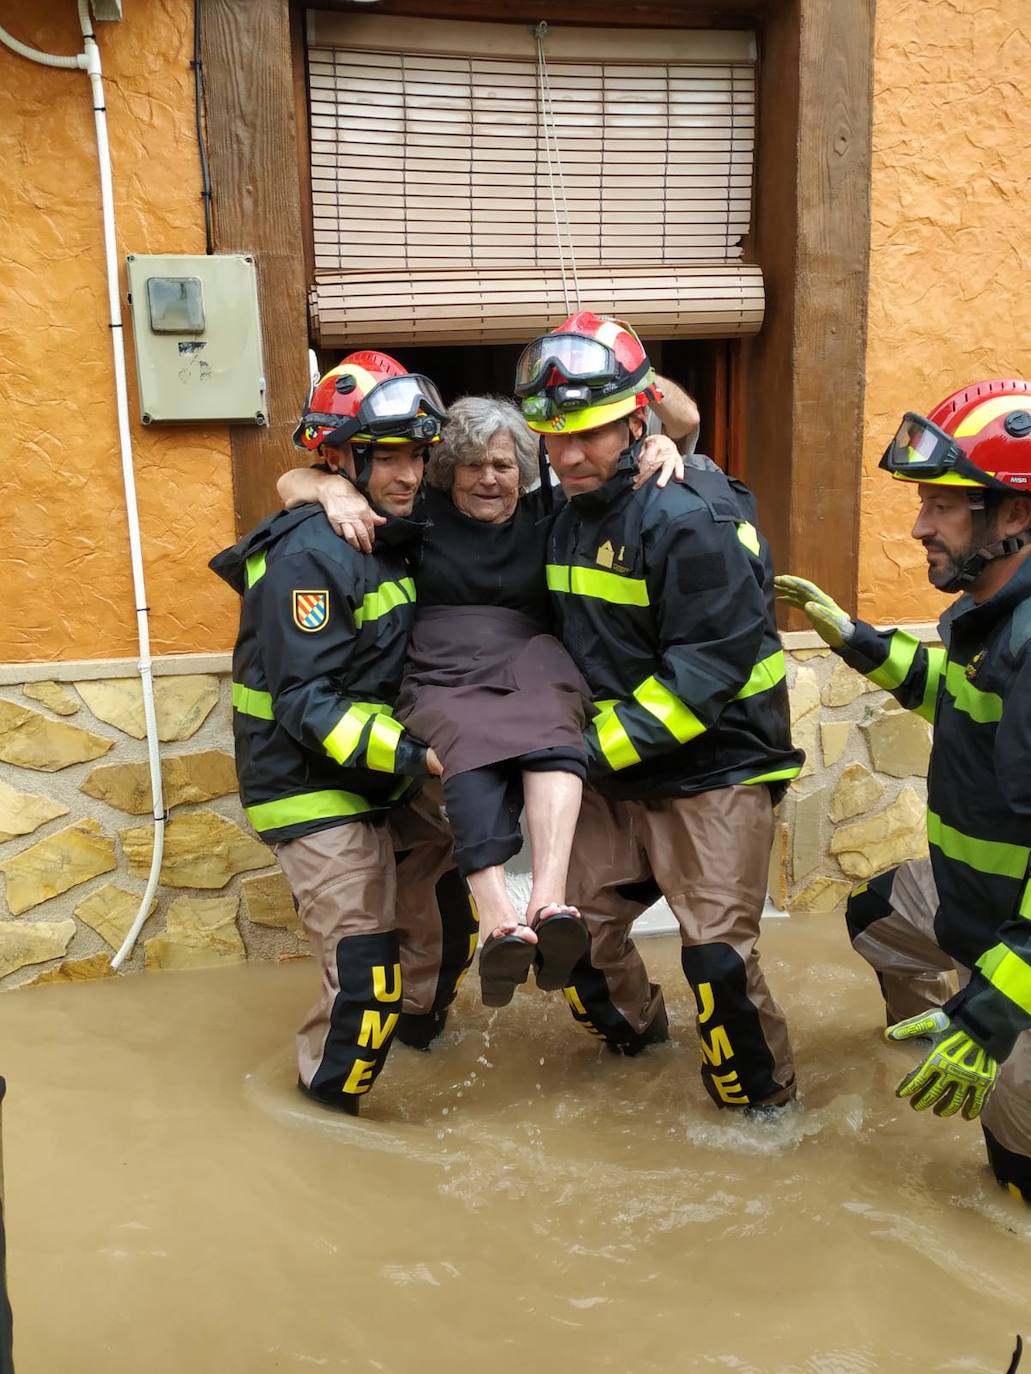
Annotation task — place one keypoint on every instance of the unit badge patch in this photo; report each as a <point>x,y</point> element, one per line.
<point>311,610</point>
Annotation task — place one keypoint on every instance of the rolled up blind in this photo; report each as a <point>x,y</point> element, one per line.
<point>431,188</point>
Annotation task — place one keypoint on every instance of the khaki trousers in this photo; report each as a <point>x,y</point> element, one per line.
<point>891,924</point>
<point>708,855</point>
<point>393,938</point>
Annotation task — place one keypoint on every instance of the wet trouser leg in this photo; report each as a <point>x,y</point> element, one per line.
<point>710,854</point>
<point>610,882</point>
<point>343,882</point>
<point>891,923</point>
<point>436,926</point>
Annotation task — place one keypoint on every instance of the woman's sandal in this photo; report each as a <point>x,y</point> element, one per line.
<point>561,944</point>
<point>504,963</point>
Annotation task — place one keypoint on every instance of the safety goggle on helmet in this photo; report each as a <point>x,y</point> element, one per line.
<point>979,436</point>
<point>585,373</point>
<point>370,397</point>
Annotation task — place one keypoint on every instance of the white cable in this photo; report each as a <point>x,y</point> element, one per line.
<point>47,59</point>
<point>89,60</point>
<point>551,139</point>
<point>539,33</point>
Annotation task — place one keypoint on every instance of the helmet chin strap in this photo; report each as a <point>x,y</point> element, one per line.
<point>983,552</point>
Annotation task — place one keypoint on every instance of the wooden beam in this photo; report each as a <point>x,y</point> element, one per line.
<point>717,14</point>
<point>832,292</point>
<point>253,150</point>
<point>805,370</point>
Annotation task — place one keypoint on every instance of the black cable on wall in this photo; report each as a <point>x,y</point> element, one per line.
<point>198,88</point>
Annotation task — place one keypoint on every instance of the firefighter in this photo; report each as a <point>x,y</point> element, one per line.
<point>968,906</point>
<point>327,776</point>
<point>664,601</point>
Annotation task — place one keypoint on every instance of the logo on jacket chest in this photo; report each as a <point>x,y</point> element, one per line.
<point>975,665</point>
<point>311,610</point>
<point>609,557</point>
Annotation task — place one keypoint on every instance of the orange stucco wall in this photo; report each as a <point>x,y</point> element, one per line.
<point>950,245</point>
<point>64,562</point>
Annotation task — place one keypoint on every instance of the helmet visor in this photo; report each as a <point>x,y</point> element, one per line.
<point>920,450</point>
<point>408,407</point>
<point>575,357</point>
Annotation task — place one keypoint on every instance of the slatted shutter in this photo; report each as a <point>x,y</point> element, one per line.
<point>432,203</point>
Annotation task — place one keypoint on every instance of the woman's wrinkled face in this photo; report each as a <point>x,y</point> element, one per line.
<point>488,488</point>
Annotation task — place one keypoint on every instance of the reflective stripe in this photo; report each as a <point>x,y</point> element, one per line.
<point>749,537</point>
<point>1008,974</point>
<point>307,806</point>
<point>386,596</point>
<point>382,751</point>
<point>935,668</point>
<point>594,582</point>
<point>895,668</point>
<point>777,775</point>
<point>613,739</point>
<point>659,701</point>
<point>250,702</point>
<point>766,674</point>
<point>255,568</point>
<point>986,856</point>
<point>342,740</point>
<point>1025,902</point>
<point>983,707</point>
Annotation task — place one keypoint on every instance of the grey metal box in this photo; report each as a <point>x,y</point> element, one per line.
<point>198,337</point>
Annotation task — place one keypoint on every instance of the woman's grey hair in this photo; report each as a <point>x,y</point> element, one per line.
<point>471,424</point>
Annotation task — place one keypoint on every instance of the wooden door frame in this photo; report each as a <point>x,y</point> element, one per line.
<point>797,387</point>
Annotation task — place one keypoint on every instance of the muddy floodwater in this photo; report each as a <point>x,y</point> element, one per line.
<point>518,1201</point>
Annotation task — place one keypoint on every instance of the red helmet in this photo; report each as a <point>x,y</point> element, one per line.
<point>371,398</point>
<point>978,437</point>
<point>583,374</point>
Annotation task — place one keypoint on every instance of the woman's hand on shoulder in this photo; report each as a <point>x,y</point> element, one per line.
<point>659,454</point>
<point>349,514</point>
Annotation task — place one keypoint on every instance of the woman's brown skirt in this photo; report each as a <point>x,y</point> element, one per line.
<point>484,684</point>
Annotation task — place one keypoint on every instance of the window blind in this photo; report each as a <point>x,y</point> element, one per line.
<point>431,190</point>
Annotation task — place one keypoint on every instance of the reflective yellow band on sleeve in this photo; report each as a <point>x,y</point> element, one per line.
<point>767,673</point>
<point>385,598</point>
<point>597,584</point>
<point>1008,974</point>
<point>342,740</point>
<point>254,568</point>
<point>306,806</point>
<point>986,856</point>
<point>613,740</point>
<point>250,702</point>
<point>748,536</point>
<point>983,707</point>
<point>1025,902</point>
<point>902,650</point>
<point>659,701</point>
<point>778,775</point>
<point>935,668</point>
<point>382,751</point>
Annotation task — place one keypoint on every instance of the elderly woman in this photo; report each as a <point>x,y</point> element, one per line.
<point>487,685</point>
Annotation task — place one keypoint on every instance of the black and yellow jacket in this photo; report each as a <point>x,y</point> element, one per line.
<point>977,693</point>
<point>316,670</point>
<point>664,601</point>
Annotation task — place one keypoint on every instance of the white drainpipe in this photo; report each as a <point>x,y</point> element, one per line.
<point>89,61</point>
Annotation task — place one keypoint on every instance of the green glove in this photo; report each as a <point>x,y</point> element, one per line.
<point>834,626</point>
<point>955,1073</point>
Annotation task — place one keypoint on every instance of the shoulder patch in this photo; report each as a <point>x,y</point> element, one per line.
<point>311,610</point>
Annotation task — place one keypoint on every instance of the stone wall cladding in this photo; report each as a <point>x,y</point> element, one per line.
<point>75,834</point>
<point>859,804</point>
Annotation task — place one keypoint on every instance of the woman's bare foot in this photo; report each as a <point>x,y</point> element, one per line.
<point>509,927</point>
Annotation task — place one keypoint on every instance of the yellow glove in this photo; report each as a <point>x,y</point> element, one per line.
<point>834,626</point>
<point>955,1073</point>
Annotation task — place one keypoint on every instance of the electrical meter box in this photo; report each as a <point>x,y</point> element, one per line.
<point>198,337</point>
